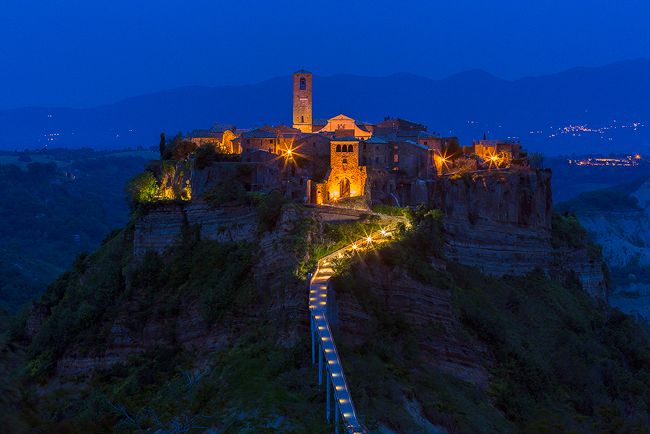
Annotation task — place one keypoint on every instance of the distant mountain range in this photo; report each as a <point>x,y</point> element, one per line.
<point>599,109</point>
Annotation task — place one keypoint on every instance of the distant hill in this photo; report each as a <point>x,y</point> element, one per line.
<point>55,205</point>
<point>608,100</point>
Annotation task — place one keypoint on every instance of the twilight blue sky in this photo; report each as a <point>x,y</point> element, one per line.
<point>86,52</point>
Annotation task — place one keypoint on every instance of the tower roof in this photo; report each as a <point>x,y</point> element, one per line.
<point>302,71</point>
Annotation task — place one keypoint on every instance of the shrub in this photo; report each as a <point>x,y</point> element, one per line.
<point>179,149</point>
<point>269,210</point>
<point>226,191</point>
<point>143,188</point>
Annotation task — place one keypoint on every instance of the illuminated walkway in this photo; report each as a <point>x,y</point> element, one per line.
<point>323,344</point>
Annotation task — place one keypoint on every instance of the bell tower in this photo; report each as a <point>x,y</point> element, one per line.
<point>302,118</point>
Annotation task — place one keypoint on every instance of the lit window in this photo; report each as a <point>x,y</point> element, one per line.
<point>303,83</point>
<point>396,158</point>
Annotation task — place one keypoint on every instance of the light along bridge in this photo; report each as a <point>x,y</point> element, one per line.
<point>322,341</point>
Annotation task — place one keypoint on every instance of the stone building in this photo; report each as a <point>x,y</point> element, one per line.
<point>391,161</point>
<point>302,101</point>
<point>346,177</point>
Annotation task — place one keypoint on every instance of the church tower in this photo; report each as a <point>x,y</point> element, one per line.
<point>302,118</point>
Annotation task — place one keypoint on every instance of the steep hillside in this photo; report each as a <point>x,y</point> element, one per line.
<point>208,335</point>
<point>213,334</point>
<point>619,219</point>
<point>459,350</point>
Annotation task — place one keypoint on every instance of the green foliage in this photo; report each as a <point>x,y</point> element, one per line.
<point>179,148</point>
<point>269,210</point>
<point>143,188</point>
<point>51,212</point>
<point>561,361</point>
<point>338,235</point>
<point>227,191</point>
<point>79,300</point>
<point>392,210</point>
<point>524,320</point>
<point>567,231</point>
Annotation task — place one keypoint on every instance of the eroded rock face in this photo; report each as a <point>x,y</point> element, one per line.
<point>427,309</point>
<point>500,222</point>
<point>163,226</point>
<point>279,300</point>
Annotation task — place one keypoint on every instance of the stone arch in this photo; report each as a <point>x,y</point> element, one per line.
<point>338,148</point>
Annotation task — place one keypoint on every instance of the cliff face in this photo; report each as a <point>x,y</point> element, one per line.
<point>500,222</point>
<point>427,309</point>
<point>144,321</point>
<point>163,226</point>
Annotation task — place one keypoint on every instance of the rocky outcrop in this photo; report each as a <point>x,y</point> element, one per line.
<point>500,222</point>
<point>133,331</point>
<point>164,225</point>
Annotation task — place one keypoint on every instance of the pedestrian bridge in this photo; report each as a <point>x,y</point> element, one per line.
<point>323,348</point>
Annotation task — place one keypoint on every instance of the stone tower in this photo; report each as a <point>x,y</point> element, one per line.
<point>302,118</point>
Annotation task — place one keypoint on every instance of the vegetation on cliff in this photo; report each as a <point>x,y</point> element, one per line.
<point>254,381</point>
<point>557,359</point>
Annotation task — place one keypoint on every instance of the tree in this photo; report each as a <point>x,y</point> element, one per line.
<point>143,188</point>
<point>162,144</point>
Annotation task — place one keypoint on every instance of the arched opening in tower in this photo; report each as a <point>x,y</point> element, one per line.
<point>344,188</point>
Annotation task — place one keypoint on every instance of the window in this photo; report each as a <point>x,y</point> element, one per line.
<point>302,119</point>
<point>395,158</point>
<point>349,148</point>
<point>338,148</point>
<point>345,161</point>
<point>303,83</point>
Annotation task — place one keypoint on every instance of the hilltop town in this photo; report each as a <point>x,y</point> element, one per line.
<point>340,160</point>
